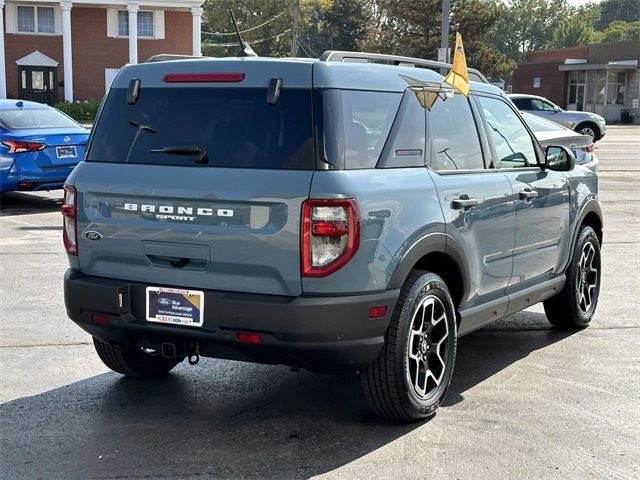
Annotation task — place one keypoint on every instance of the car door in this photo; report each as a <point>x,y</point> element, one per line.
<point>477,202</point>
<point>542,195</point>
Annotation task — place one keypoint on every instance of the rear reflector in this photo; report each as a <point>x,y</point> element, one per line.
<point>378,312</point>
<point>99,319</point>
<point>202,77</point>
<point>248,338</point>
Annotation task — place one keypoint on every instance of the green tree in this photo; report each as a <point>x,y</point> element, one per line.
<point>619,31</point>
<point>618,10</point>
<point>343,25</point>
<point>573,32</point>
<point>527,25</point>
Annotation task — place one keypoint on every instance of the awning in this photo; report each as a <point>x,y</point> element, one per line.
<point>619,65</point>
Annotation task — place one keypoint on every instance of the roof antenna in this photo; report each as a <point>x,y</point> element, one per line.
<point>245,49</point>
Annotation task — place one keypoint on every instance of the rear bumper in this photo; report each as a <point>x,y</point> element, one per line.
<point>330,334</point>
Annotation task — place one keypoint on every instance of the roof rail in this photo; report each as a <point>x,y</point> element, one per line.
<point>165,57</point>
<point>364,57</point>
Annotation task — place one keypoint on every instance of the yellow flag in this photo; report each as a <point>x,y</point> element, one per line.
<point>458,77</point>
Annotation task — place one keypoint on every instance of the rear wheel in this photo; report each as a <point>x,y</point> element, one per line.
<point>410,378</point>
<point>575,305</point>
<point>134,361</point>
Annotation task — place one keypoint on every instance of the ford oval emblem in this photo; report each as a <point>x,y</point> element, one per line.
<point>92,235</point>
<point>164,301</point>
<point>67,139</point>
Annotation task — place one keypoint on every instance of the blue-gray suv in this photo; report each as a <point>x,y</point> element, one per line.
<point>330,214</point>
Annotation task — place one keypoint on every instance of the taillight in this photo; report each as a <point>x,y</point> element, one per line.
<point>21,147</point>
<point>591,148</point>
<point>330,235</point>
<point>69,220</point>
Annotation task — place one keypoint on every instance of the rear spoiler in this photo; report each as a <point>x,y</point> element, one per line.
<point>166,57</point>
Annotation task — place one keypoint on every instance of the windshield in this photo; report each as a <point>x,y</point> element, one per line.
<point>537,124</point>
<point>21,118</point>
<point>231,127</point>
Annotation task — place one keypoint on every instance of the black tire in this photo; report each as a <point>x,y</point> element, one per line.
<point>388,383</point>
<point>567,309</point>
<point>133,361</point>
<point>586,127</point>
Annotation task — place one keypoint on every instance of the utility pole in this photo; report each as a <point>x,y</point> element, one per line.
<point>294,30</point>
<point>444,41</point>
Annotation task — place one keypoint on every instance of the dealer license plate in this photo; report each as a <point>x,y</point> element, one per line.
<point>175,306</point>
<point>66,152</point>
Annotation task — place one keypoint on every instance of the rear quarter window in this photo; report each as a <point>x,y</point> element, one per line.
<point>235,126</point>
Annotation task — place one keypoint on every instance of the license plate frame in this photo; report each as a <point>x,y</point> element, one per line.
<point>174,306</point>
<point>67,151</point>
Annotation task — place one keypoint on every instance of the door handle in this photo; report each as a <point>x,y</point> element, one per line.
<point>463,202</point>
<point>528,193</point>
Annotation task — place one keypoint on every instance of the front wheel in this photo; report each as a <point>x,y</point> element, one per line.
<point>575,305</point>
<point>134,361</point>
<point>590,130</point>
<point>411,376</point>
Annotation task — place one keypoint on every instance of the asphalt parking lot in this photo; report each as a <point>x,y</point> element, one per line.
<point>526,401</point>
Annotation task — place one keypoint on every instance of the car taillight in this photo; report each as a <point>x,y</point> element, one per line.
<point>330,235</point>
<point>591,148</point>
<point>69,219</point>
<point>21,147</point>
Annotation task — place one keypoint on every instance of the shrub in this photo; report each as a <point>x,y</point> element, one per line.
<point>82,112</point>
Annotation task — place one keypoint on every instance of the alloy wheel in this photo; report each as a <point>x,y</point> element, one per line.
<point>587,282</point>
<point>426,357</point>
<point>588,131</point>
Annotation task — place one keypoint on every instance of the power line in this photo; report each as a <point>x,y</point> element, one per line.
<point>235,44</point>
<point>248,29</point>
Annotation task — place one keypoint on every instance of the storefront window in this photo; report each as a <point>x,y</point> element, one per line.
<point>615,92</point>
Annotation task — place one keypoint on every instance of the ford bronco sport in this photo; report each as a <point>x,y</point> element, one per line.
<point>334,215</point>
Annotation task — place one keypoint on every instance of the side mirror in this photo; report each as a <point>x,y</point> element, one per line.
<point>560,159</point>
<point>557,109</point>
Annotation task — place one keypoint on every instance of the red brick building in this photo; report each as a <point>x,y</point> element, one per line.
<point>600,78</point>
<point>71,50</point>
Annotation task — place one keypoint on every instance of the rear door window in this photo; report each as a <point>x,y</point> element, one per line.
<point>455,144</point>
<point>235,126</point>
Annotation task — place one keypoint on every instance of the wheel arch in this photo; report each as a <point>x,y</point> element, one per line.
<point>437,254</point>
<point>590,215</point>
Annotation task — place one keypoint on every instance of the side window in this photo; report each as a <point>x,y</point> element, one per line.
<point>454,137</point>
<point>367,118</point>
<point>405,146</point>
<point>540,105</point>
<point>511,140</point>
<point>522,103</point>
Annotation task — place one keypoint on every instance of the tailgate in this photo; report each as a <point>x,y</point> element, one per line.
<point>229,229</point>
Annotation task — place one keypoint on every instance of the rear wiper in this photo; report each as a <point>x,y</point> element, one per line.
<point>140,128</point>
<point>199,152</point>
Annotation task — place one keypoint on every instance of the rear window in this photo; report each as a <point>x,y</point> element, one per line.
<point>235,127</point>
<point>23,118</point>
<point>537,124</point>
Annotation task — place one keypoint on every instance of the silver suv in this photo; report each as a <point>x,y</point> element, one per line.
<point>585,123</point>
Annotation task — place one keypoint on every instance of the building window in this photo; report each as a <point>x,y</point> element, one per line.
<point>615,90</point>
<point>145,24</point>
<point>36,19</point>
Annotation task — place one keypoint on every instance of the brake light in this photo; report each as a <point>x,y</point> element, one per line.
<point>69,220</point>
<point>591,148</point>
<point>330,235</point>
<point>21,147</point>
<point>202,77</point>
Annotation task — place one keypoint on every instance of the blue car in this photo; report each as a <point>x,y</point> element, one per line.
<point>39,146</point>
